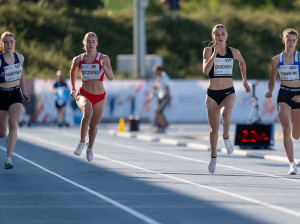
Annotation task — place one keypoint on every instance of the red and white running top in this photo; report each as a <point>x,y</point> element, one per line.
<point>92,71</point>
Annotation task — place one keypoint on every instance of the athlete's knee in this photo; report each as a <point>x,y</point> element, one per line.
<point>13,126</point>
<point>93,125</point>
<point>226,115</point>
<point>286,129</point>
<point>87,114</point>
<point>214,130</point>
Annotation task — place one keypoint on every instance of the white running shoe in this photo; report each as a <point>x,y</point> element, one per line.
<point>212,165</point>
<point>79,148</point>
<point>8,164</point>
<point>89,154</point>
<point>293,169</point>
<point>228,145</point>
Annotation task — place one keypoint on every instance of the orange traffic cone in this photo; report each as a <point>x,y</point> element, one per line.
<point>121,125</point>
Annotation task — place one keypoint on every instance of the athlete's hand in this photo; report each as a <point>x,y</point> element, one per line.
<point>216,46</point>
<point>26,97</point>
<point>296,98</point>
<point>104,61</point>
<point>247,87</point>
<point>268,95</point>
<point>72,93</point>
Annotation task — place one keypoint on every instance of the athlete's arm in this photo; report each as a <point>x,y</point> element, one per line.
<point>237,56</point>
<point>22,80</point>
<point>271,84</point>
<point>73,74</point>
<point>297,97</point>
<point>105,63</point>
<point>208,59</point>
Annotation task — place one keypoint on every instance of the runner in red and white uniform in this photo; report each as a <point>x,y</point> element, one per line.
<point>90,97</point>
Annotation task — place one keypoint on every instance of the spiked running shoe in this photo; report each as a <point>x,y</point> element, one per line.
<point>79,148</point>
<point>8,164</point>
<point>89,154</point>
<point>293,169</point>
<point>228,145</point>
<point>212,165</point>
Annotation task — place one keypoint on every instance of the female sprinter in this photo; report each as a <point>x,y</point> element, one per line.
<point>288,100</point>
<point>12,91</point>
<point>90,97</point>
<point>218,64</point>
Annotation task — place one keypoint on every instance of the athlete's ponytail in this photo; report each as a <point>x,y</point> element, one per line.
<point>5,34</point>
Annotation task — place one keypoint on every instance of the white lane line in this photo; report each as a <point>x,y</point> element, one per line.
<point>101,196</point>
<point>183,157</point>
<point>234,195</point>
<point>151,151</point>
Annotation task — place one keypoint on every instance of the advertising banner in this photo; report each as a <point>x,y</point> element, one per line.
<point>134,97</point>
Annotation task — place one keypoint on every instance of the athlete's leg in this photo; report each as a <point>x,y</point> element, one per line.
<point>284,114</point>
<point>86,107</point>
<point>160,119</point>
<point>213,116</point>
<point>295,118</point>
<point>59,114</point>
<point>14,114</point>
<point>3,123</point>
<point>226,111</point>
<point>98,109</point>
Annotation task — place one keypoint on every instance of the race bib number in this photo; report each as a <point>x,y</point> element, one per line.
<point>13,72</point>
<point>288,72</point>
<point>223,66</point>
<point>90,72</point>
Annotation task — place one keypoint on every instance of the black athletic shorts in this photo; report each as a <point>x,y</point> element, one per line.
<point>285,95</point>
<point>220,95</point>
<point>9,96</point>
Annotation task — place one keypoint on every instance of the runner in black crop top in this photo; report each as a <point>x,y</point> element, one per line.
<point>220,93</point>
<point>223,65</point>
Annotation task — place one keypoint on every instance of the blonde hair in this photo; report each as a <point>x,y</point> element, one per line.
<point>3,35</point>
<point>86,37</point>
<point>216,27</point>
<point>211,42</point>
<point>288,31</point>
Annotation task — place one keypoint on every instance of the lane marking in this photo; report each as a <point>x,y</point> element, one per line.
<point>172,155</point>
<point>183,157</point>
<point>234,195</point>
<point>101,196</point>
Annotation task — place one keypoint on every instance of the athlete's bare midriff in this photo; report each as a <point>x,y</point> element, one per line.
<point>293,84</point>
<point>94,87</point>
<point>220,83</point>
<point>10,84</point>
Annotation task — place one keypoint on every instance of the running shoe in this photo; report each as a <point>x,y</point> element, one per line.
<point>79,148</point>
<point>212,165</point>
<point>293,169</point>
<point>228,145</point>
<point>89,154</point>
<point>8,164</point>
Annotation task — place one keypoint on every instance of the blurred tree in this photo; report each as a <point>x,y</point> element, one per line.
<point>280,4</point>
<point>90,4</point>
